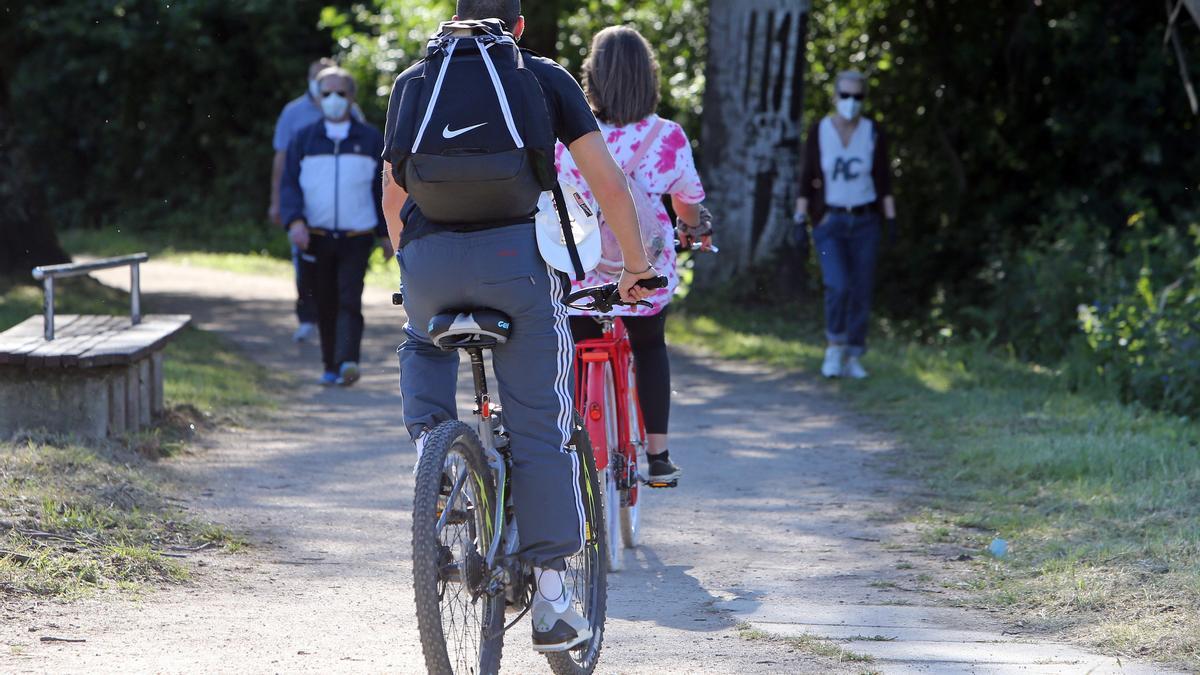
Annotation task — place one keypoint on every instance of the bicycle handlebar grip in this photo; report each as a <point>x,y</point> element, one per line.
<point>651,284</point>
<point>397,299</point>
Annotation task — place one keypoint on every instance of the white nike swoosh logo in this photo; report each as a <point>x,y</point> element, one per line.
<point>447,133</point>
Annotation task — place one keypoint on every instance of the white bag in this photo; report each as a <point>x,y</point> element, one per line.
<point>585,230</point>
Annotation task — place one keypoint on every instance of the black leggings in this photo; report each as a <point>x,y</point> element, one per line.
<point>648,339</point>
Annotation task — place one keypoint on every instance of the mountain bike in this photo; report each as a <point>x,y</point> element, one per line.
<point>464,536</point>
<point>606,399</point>
<point>465,539</point>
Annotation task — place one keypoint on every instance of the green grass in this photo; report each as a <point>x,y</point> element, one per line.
<point>1097,499</point>
<point>807,643</point>
<point>76,517</point>
<point>246,248</point>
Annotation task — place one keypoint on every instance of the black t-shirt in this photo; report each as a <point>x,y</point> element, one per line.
<point>570,115</point>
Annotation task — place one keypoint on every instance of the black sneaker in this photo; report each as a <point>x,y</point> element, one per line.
<point>662,472</point>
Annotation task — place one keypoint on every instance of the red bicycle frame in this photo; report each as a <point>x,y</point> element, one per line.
<point>591,356</point>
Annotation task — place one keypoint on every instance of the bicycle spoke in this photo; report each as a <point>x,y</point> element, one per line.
<point>462,606</point>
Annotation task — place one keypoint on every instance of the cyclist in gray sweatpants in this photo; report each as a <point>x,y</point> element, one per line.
<point>501,269</point>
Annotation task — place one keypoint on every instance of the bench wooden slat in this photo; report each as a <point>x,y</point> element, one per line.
<point>88,340</point>
<point>69,344</point>
<point>135,342</point>
<point>38,352</point>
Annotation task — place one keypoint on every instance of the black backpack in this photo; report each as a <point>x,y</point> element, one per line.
<point>473,141</point>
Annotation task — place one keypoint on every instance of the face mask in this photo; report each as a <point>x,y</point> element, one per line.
<point>849,108</point>
<point>334,106</point>
<point>314,89</point>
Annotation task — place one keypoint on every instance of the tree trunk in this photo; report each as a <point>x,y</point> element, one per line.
<point>751,131</point>
<point>27,237</point>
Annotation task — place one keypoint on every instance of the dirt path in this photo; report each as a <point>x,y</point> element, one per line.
<point>781,528</point>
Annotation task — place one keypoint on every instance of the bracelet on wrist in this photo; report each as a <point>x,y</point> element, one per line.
<point>629,271</point>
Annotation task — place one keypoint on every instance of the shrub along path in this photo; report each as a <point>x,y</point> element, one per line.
<point>781,551</point>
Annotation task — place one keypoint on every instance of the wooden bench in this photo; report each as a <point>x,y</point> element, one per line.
<point>87,375</point>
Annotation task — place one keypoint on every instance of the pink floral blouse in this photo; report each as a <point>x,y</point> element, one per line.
<point>667,169</point>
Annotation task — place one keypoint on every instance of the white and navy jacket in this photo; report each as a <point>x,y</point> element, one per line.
<point>334,185</point>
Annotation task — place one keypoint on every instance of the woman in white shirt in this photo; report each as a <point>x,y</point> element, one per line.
<point>846,186</point>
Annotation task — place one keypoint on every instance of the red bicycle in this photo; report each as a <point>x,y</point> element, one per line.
<point>606,397</point>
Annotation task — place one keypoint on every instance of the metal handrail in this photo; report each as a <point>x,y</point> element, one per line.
<point>48,273</point>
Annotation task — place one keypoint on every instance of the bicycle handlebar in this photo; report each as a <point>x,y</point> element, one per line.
<point>605,297</point>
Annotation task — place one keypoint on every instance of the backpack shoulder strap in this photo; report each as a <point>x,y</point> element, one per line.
<point>644,148</point>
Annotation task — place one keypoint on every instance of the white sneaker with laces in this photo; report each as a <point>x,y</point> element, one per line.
<point>557,627</point>
<point>854,368</point>
<point>833,361</point>
<point>304,332</point>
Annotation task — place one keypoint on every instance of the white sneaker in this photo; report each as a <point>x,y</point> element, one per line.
<point>304,332</point>
<point>348,374</point>
<point>557,627</point>
<point>854,369</point>
<point>833,361</point>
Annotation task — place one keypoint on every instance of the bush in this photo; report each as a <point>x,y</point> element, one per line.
<point>1122,314</point>
<point>1145,338</point>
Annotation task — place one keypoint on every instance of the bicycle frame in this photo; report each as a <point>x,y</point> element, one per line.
<point>612,348</point>
<point>487,422</point>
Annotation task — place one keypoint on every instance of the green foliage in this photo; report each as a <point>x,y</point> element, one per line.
<point>1145,336</point>
<point>134,109</point>
<point>378,40</point>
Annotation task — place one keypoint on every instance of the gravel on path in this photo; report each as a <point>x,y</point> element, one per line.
<point>784,526</point>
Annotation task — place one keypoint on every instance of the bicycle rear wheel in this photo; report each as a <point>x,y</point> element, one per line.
<point>586,573</point>
<point>461,626</point>
<point>630,497</point>
<point>602,411</point>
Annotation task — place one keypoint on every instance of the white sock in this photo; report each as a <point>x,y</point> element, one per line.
<point>550,588</point>
<point>419,442</point>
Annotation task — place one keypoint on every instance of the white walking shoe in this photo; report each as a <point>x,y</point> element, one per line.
<point>833,361</point>
<point>854,369</point>
<point>304,332</point>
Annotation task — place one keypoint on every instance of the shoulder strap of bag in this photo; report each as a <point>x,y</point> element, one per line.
<point>564,219</point>
<point>633,162</point>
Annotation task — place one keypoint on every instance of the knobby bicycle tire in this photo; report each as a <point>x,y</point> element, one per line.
<point>583,661</point>
<point>433,595</point>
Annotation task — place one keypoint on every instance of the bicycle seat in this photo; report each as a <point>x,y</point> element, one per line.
<point>477,328</point>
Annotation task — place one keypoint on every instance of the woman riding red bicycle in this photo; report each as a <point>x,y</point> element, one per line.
<point>621,81</point>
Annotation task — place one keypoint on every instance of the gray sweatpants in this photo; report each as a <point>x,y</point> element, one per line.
<point>502,269</point>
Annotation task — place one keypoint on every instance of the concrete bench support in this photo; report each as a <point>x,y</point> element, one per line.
<point>100,377</point>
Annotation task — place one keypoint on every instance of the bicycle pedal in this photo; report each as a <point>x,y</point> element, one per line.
<point>663,484</point>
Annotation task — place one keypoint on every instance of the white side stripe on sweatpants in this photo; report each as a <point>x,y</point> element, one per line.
<point>563,389</point>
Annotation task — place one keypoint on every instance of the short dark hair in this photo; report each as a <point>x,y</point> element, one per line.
<point>507,11</point>
<point>620,76</point>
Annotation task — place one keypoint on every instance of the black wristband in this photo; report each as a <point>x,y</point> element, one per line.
<point>629,271</point>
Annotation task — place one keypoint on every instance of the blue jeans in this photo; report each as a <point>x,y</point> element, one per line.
<point>848,248</point>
